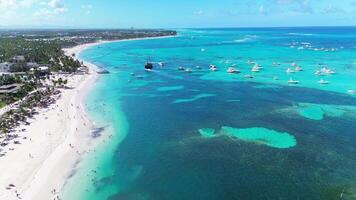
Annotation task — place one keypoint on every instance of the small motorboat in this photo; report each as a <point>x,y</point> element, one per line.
<point>181,68</point>
<point>249,76</point>
<point>327,71</point>
<point>256,68</point>
<point>250,62</point>
<point>197,67</point>
<point>188,70</point>
<point>293,64</point>
<point>323,82</point>
<point>298,69</point>
<point>289,70</point>
<point>233,70</point>
<point>213,68</point>
<point>291,81</point>
<point>161,64</point>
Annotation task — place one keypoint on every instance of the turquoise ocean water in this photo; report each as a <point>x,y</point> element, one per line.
<point>213,135</point>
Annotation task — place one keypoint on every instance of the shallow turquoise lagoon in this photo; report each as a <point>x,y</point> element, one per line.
<point>265,138</point>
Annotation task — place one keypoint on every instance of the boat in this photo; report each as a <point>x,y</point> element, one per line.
<point>188,70</point>
<point>197,67</point>
<point>250,62</point>
<point>181,68</point>
<point>232,70</point>
<point>289,70</point>
<point>161,64</point>
<point>318,73</point>
<point>149,66</point>
<point>256,68</point>
<point>276,64</point>
<point>291,81</point>
<point>293,64</point>
<point>298,69</point>
<point>326,70</point>
<point>323,82</point>
<point>213,68</point>
<point>249,76</point>
<point>275,78</point>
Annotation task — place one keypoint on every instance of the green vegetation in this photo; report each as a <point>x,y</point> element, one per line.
<point>30,57</point>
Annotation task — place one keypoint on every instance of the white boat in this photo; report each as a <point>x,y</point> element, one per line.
<point>181,68</point>
<point>188,70</point>
<point>213,68</point>
<point>323,82</point>
<point>293,64</point>
<point>250,62</point>
<point>328,71</point>
<point>298,69</point>
<point>289,70</point>
<point>325,71</point>
<point>255,69</point>
<point>276,64</point>
<point>249,76</point>
<point>197,67</point>
<point>232,70</point>
<point>291,81</point>
<point>161,64</point>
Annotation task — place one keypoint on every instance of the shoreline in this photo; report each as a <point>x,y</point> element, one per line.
<point>58,139</point>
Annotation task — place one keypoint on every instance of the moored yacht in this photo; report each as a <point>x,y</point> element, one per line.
<point>255,69</point>
<point>298,69</point>
<point>213,68</point>
<point>249,76</point>
<point>291,81</point>
<point>188,70</point>
<point>289,70</point>
<point>181,68</point>
<point>233,70</point>
<point>161,64</point>
<point>323,82</point>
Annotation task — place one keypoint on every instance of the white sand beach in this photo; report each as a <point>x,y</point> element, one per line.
<point>57,138</point>
<point>56,141</point>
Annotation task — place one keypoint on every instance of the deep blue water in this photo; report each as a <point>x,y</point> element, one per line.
<point>163,156</point>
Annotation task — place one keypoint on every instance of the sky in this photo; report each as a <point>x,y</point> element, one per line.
<point>175,13</point>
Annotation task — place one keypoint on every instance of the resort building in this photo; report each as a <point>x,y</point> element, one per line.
<point>5,67</point>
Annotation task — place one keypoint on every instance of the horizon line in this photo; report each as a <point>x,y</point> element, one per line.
<point>2,28</point>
